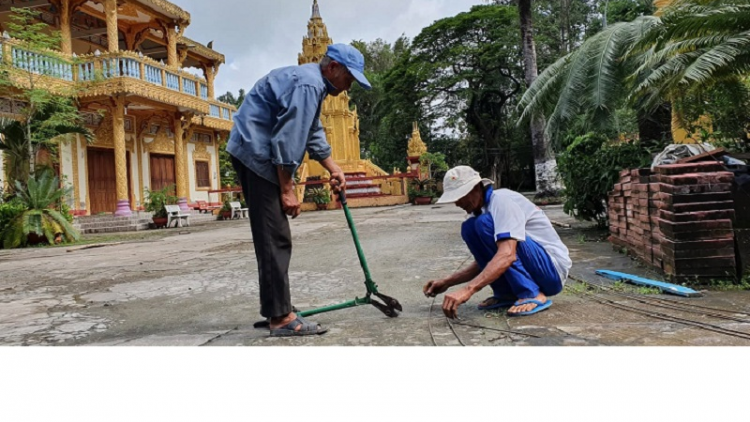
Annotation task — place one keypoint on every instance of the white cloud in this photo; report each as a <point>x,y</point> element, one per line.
<point>257,36</point>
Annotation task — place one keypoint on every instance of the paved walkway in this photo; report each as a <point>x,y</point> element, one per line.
<point>198,287</point>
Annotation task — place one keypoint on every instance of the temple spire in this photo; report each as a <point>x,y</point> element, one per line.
<point>316,10</point>
<point>315,44</point>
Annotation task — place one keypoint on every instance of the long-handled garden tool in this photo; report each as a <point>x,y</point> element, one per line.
<point>390,306</point>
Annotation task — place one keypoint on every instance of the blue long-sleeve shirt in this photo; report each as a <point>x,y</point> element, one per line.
<point>280,120</point>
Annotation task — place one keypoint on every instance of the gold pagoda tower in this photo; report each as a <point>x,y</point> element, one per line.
<point>340,122</point>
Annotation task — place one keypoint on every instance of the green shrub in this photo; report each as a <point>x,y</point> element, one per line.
<point>38,218</point>
<point>590,167</point>
<point>9,211</point>
<point>157,200</point>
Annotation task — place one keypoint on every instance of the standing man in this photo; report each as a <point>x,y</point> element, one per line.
<point>516,250</point>
<point>277,123</point>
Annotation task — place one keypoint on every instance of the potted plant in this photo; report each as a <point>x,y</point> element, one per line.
<point>225,213</point>
<point>422,191</point>
<point>156,202</point>
<point>320,196</point>
<point>34,219</point>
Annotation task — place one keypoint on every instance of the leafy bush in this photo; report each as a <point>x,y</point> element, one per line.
<point>590,167</point>
<point>39,218</point>
<point>156,200</point>
<point>320,196</point>
<point>9,211</point>
<point>422,188</point>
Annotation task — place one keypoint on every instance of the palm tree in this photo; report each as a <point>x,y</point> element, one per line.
<point>645,63</point>
<point>593,80</point>
<point>38,196</point>
<point>697,42</point>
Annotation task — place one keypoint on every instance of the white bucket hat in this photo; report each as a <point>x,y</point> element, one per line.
<point>458,182</point>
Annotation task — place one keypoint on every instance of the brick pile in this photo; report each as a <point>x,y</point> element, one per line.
<point>678,219</point>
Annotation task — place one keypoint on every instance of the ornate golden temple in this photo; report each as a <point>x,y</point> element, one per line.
<point>341,124</point>
<point>156,122</point>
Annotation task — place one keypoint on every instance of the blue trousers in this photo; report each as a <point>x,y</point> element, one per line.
<point>531,273</point>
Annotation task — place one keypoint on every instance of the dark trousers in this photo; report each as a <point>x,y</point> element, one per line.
<point>272,239</point>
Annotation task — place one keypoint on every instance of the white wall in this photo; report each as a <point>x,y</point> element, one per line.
<point>66,167</point>
<point>134,182</point>
<point>3,182</point>
<point>202,195</point>
<point>146,167</point>
<point>82,174</point>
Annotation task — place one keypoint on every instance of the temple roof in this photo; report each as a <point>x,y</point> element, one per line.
<point>168,9</point>
<point>201,50</point>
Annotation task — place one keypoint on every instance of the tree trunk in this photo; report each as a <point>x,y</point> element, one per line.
<point>656,126</point>
<point>544,159</point>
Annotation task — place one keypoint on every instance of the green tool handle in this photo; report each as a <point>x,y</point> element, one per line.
<point>371,287</point>
<point>345,305</point>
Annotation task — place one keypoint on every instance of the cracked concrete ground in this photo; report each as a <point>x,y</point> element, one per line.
<point>199,287</point>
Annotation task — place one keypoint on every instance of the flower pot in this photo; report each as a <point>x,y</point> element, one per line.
<point>160,221</point>
<point>321,207</point>
<point>226,215</point>
<point>423,200</point>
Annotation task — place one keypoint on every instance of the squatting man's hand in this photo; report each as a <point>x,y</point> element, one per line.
<point>452,301</point>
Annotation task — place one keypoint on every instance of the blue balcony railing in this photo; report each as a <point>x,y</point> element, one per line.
<point>95,67</point>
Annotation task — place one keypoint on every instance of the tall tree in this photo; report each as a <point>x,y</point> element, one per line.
<point>461,79</point>
<point>380,57</point>
<point>49,111</point>
<point>545,165</point>
<point>229,98</point>
<point>544,158</point>
<point>649,61</point>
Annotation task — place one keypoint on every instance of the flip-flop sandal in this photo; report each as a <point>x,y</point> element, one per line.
<point>499,303</point>
<point>540,306</point>
<point>266,323</point>
<point>307,329</point>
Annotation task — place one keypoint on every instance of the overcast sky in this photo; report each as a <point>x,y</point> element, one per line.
<point>257,36</point>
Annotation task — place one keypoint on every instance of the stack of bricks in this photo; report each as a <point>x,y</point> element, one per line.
<point>678,220</point>
<point>632,223</point>
<point>695,214</point>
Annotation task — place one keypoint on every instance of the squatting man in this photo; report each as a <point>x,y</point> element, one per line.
<point>516,250</point>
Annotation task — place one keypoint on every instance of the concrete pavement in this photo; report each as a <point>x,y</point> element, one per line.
<point>198,287</point>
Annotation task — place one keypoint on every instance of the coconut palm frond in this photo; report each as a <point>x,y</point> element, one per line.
<point>538,97</point>
<point>721,56</point>
<point>592,80</point>
<point>693,21</point>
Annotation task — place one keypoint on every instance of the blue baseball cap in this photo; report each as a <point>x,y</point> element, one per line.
<point>352,59</point>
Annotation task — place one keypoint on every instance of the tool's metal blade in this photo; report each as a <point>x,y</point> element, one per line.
<point>388,311</point>
<point>390,302</point>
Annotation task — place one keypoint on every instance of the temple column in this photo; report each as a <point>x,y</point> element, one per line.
<point>121,160</point>
<point>180,162</point>
<point>66,44</point>
<point>110,11</point>
<point>209,72</point>
<point>172,58</point>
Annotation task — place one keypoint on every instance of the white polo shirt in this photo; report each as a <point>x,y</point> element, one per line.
<point>516,217</point>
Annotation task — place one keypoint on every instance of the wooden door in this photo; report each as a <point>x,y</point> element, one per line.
<point>162,172</point>
<point>102,181</point>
